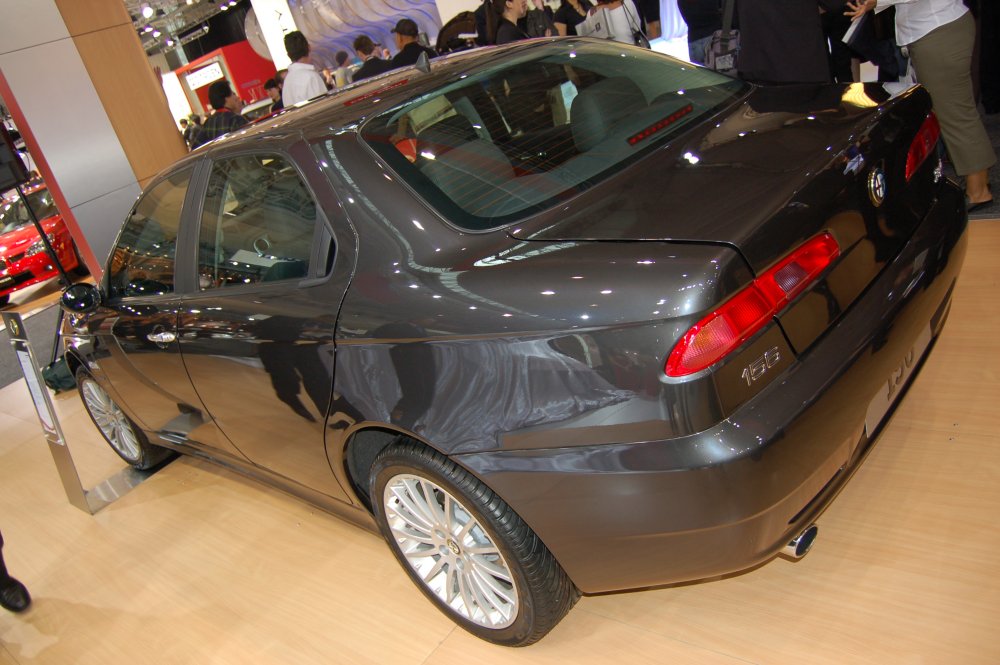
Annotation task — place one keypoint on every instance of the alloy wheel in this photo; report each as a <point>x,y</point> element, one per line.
<point>450,551</point>
<point>111,420</point>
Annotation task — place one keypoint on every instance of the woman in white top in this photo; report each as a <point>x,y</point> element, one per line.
<point>939,36</point>
<point>623,20</point>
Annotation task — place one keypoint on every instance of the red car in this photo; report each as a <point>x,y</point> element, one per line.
<point>23,259</point>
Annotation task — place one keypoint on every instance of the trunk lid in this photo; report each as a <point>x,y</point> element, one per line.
<point>766,175</point>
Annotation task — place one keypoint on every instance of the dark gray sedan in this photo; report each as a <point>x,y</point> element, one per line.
<point>567,316</point>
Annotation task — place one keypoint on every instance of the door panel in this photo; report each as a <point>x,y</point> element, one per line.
<point>139,327</point>
<point>263,366</point>
<point>256,342</point>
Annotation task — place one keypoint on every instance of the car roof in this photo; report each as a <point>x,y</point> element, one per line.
<point>350,106</point>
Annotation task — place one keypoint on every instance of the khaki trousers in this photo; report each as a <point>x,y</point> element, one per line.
<point>943,61</point>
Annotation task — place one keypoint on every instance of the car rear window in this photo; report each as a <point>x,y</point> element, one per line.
<point>530,129</point>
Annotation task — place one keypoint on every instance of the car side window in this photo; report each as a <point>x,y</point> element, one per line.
<point>142,263</point>
<point>257,223</point>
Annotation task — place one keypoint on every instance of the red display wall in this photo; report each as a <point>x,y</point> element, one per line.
<point>245,70</point>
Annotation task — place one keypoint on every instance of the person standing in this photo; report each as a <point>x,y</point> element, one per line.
<point>781,41</point>
<point>342,74</point>
<point>989,55</point>
<point>194,126</point>
<point>510,12</point>
<point>371,64</point>
<point>570,14</point>
<point>649,16</point>
<point>185,131</point>
<point>13,595</point>
<point>226,117</point>
<point>939,35</point>
<point>538,20</point>
<point>703,18</point>
<point>303,81</point>
<point>408,49</point>
<point>273,91</point>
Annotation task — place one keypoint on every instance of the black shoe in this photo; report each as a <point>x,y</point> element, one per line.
<point>14,596</point>
<point>982,205</point>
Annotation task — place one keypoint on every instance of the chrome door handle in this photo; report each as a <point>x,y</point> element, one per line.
<point>161,337</point>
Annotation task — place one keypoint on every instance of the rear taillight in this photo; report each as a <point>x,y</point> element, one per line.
<point>923,145</point>
<point>737,319</point>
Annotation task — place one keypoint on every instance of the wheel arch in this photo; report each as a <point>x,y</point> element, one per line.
<point>364,444</point>
<point>73,361</point>
<point>359,453</point>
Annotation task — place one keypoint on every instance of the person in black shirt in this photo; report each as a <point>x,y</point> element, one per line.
<point>372,65</point>
<point>483,28</point>
<point>407,46</point>
<point>273,91</point>
<point>538,21</point>
<point>194,126</point>
<point>226,117</point>
<point>510,11</point>
<point>570,14</point>
<point>703,17</point>
<point>649,16</point>
<point>781,41</point>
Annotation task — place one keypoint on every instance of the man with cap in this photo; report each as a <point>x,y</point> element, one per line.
<point>408,49</point>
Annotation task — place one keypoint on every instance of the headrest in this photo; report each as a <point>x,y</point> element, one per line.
<point>471,175</point>
<point>598,108</point>
<point>448,133</point>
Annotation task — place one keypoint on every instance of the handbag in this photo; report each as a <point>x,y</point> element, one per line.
<point>615,24</point>
<point>638,36</point>
<point>595,25</point>
<point>724,47</point>
<point>538,23</point>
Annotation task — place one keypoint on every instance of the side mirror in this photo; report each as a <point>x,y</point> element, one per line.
<point>82,298</point>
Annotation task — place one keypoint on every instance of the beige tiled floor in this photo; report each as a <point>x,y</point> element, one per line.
<point>199,565</point>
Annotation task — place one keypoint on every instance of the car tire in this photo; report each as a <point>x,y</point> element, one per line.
<point>466,549</point>
<point>4,300</point>
<point>123,435</point>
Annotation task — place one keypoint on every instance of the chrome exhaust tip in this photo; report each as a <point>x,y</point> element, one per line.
<point>801,545</point>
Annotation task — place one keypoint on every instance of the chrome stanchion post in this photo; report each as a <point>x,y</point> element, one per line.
<point>46,413</point>
<point>105,492</point>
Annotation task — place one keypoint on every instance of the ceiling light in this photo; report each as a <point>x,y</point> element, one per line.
<point>147,11</point>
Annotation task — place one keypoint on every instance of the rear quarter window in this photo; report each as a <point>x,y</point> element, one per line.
<point>529,130</point>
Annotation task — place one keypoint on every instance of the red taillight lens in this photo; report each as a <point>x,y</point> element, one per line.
<point>737,319</point>
<point>923,145</point>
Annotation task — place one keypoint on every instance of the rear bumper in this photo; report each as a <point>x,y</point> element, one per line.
<point>655,512</point>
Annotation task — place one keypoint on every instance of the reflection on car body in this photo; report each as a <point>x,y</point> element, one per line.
<point>565,316</point>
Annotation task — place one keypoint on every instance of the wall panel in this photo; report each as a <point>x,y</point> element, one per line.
<point>83,16</point>
<point>132,97</point>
